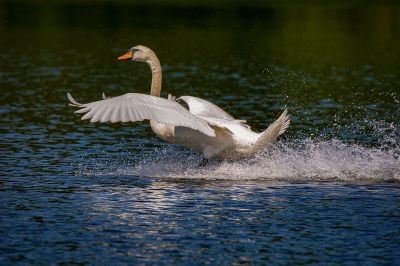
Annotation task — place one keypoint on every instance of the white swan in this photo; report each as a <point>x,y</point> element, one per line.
<point>190,121</point>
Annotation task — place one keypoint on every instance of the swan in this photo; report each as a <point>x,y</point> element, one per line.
<point>190,121</point>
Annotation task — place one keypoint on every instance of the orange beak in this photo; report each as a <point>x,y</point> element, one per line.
<point>126,56</point>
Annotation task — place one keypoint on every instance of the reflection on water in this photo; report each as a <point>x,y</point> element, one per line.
<point>134,220</point>
<point>73,192</point>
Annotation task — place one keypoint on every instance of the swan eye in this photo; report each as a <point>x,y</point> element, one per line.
<point>134,50</point>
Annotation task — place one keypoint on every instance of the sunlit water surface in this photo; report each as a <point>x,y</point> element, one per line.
<point>328,192</point>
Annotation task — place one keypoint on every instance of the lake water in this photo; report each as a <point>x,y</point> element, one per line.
<point>328,192</point>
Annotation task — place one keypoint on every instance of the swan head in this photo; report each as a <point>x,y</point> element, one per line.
<point>139,53</point>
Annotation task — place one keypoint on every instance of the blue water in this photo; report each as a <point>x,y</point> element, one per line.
<point>135,220</point>
<point>76,193</point>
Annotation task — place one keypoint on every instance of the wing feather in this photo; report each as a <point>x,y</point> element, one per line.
<point>124,112</point>
<point>131,113</point>
<point>91,112</point>
<point>82,111</point>
<point>106,115</point>
<point>97,116</point>
<point>116,116</point>
<point>137,107</point>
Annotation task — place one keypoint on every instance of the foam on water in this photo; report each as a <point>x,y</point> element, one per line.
<point>310,161</point>
<point>305,160</point>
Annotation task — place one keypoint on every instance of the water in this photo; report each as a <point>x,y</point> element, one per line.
<point>72,192</point>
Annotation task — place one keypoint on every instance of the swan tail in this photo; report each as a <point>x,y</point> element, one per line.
<point>269,136</point>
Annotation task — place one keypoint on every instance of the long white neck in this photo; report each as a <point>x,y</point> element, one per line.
<point>156,76</point>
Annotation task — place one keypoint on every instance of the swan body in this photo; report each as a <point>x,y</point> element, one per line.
<point>189,121</point>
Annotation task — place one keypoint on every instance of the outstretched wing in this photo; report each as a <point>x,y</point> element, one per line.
<point>137,107</point>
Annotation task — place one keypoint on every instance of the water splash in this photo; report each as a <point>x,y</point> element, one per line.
<point>309,160</point>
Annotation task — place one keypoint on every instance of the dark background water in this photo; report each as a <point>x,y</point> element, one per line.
<point>72,192</point>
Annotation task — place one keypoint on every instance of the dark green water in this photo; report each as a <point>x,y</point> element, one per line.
<point>72,192</point>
